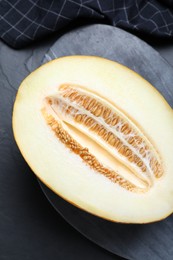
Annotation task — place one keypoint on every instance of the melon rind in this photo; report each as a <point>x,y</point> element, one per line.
<point>64,172</point>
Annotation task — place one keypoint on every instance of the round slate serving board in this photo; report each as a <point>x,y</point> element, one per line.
<point>149,241</point>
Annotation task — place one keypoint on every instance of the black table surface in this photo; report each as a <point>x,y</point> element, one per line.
<point>29,226</point>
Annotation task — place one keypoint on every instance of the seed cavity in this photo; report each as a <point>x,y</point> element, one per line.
<point>85,155</point>
<point>108,127</point>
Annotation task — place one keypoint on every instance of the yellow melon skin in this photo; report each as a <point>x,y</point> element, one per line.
<point>63,171</point>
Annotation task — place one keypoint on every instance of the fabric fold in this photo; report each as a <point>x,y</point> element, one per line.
<point>24,21</point>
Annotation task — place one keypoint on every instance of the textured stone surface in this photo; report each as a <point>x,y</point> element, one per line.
<point>29,227</point>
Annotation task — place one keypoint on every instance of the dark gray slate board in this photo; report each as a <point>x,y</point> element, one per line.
<point>150,241</point>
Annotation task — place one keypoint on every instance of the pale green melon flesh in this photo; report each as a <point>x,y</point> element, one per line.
<point>65,172</point>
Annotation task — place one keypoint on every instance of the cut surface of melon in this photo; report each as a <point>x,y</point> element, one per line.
<point>100,136</point>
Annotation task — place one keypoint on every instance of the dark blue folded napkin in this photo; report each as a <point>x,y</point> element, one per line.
<point>24,21</point>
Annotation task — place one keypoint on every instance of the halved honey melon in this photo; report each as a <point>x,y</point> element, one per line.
<point>98,135</point>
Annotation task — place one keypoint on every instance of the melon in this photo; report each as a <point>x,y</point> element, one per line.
<point>98,135</point>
